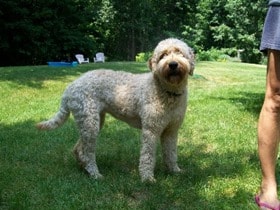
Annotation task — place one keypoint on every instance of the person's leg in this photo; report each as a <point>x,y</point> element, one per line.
<point>269,130</point>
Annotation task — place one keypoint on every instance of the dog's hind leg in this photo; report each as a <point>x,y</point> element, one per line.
<point>85,149</point>
<point>169,149</point>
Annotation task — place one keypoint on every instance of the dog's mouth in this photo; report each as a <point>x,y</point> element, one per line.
<point>175,72</point>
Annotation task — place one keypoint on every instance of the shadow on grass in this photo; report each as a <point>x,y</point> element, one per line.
<point>249,101</point>
<point>33,76</point>
<point>221,174</point>
<point>29,156</point>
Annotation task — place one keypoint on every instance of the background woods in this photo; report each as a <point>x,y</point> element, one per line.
<point>35,31</point>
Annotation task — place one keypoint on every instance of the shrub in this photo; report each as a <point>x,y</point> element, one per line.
<point>251,56</point>
<point>209,55</point>
<point>214,54</point>
<point>143,56</point>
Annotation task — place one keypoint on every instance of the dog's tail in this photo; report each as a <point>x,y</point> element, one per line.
<point>57,120</point>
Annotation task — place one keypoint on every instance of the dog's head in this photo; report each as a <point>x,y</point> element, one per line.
<point>172,60</point>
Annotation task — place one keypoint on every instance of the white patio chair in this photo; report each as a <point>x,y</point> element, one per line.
<point>99,57</point>
<point>81,59</point>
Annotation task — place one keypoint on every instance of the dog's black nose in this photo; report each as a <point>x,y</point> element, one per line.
<point>173,65</point>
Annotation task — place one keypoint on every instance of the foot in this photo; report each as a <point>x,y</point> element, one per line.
<point>175,169</point>
<point>267,206</point>
<point>148,179</point>
<point>93,171</point>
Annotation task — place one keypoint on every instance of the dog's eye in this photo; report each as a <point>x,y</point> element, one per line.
<point>179,53</point>
<point>163,55</point>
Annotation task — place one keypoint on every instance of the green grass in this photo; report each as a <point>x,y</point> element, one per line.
<point>217,145</point>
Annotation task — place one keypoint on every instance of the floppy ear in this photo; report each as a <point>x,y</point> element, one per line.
<point>151,63</point>
<point>192,61</point>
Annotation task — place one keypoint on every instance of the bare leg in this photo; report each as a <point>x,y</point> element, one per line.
<point>269,130</point>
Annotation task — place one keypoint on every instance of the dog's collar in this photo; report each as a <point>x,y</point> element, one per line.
<point>174,94</point>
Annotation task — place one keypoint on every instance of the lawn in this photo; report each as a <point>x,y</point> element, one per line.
<point>217,145</point>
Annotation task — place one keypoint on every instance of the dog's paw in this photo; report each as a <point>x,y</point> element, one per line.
<point>93,172</point>
<point>96,176</point>
<point>173,169</point>
<point>176,169</point>
<point>148,179</point>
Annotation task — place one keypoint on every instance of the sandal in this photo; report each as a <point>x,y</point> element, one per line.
<point>265,205</point>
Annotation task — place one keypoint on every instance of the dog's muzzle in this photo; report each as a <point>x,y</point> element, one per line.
<point>173,65</point>
<point>173,68</point>
<point>174,72</point>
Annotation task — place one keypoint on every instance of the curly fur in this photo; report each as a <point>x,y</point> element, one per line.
<point>154,102</point>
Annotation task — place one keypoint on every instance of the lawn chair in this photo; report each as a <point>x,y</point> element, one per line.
<point>99,57</point>
<point>81,59</point>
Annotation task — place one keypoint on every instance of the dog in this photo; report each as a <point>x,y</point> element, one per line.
<point>154,102</point>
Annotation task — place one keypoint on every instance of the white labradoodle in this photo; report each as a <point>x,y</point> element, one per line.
<point>154,102</point>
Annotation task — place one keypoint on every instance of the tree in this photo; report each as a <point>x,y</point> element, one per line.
<point>33,32</point>
<point>229,24</point>
<point>247,19</point>
<point>36,31</point>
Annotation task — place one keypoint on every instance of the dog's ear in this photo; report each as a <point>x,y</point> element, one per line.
<point>192,61</point>
<point>150,63</point>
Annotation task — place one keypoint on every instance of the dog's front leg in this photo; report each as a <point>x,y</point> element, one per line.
<point>169,149</point>
<point>147,156</point>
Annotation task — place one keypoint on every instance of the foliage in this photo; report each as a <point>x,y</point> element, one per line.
<point>33,32</point>
<point>228,24</point>
<point>211,55</point>
<point>217,145</point>
<point>143,57</point>
<point>225,54</point>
